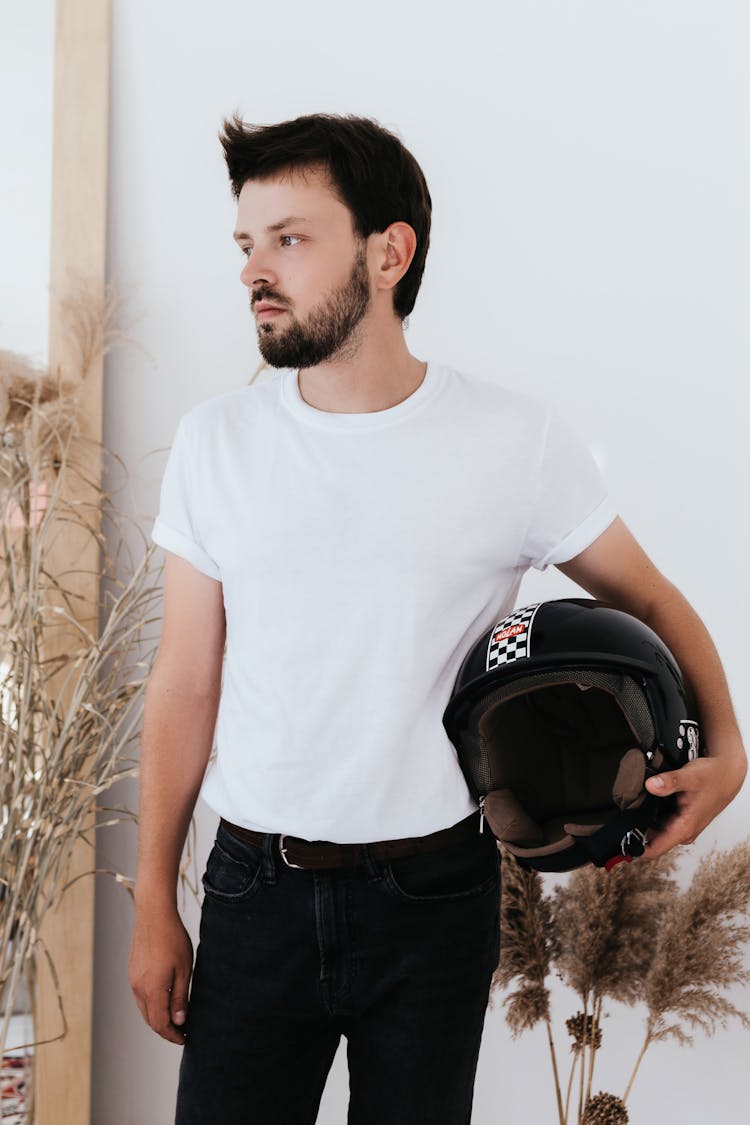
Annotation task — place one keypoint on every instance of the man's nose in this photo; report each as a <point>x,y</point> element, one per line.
<point>256,272</point>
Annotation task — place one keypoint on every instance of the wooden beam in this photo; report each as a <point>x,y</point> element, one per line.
<point>77,258</point>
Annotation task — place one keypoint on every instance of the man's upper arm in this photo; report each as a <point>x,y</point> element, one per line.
<point>191,649</point>
<point>616,569</point>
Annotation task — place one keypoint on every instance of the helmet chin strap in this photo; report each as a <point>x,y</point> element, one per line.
<point>620,840</point>
<point>623,838</point>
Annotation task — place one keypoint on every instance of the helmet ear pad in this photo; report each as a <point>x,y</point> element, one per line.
<point>563,760</point>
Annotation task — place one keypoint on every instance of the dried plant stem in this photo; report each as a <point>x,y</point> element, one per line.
<point>10,992</point>
<point>639,1060</point>
<point>598,1003</point>
<point>571,1076</point>
<point>584,1043</point>
<point>553,1057</point>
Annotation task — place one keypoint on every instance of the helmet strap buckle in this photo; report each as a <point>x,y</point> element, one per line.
<point>633,843</point>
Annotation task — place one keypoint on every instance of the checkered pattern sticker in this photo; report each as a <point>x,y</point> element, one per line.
<point>511,637</point>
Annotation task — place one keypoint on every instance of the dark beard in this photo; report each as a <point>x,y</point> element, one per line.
<point>326,330</point>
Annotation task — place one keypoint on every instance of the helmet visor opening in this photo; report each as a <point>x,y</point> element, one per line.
<point>558,753</point>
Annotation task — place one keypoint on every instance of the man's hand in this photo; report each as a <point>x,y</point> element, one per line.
<point>702,788</point>
<point>159,969</point>
<point>616,569</point>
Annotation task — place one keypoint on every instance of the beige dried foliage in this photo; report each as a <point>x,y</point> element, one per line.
<point>35,408</point>
<point>606,925</point>
<point>525,945</point>
<point>698,950</point>
<point>90,315</point>
<point>629,936</point>
<point>71,686</point>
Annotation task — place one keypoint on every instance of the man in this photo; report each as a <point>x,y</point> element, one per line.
<point>348,528</point>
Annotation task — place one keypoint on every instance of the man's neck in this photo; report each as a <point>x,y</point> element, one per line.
<point>381,374</point>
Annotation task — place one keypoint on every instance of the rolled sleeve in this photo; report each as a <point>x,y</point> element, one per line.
<point>177,526</point>
<point>572,506</point>
<point>582,536</point>
<point>179,544</point>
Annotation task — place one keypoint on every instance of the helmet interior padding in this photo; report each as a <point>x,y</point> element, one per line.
<point>553,747</point>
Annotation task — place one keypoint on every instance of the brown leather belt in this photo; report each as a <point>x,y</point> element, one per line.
<point>322,853</point>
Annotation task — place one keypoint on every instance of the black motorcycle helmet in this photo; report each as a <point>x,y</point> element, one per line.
<point>559,714</point>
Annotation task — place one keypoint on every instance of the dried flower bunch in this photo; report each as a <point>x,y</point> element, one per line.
<point>71,683</point>
<point>605,1109</point>
<point>584,932</point>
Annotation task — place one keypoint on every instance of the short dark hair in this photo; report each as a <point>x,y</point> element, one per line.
<point>369,168</point>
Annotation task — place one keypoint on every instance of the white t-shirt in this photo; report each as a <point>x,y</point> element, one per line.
<point>360,556</point>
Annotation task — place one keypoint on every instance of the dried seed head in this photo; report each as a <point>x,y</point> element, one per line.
<point>605,1109</point>
<point>584,1032</point>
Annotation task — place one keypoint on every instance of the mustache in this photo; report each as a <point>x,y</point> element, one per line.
<point>271,298</point>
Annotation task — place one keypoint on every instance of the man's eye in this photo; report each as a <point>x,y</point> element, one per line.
<point>247,250</point>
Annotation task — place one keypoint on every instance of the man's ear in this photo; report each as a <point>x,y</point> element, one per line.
<point>395,249</point>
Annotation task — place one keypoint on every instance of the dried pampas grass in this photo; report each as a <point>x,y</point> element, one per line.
<point>526,943</point>
<point>72,676</point>
<point>698,952</point>
<point>631,937</point>
<point>596,914</point>
<point>526,934</point>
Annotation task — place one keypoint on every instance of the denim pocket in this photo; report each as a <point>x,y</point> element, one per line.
<point>465,870</point>
<point>232,878</point>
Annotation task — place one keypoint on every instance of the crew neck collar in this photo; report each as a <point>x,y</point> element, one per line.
<point>372,419</point>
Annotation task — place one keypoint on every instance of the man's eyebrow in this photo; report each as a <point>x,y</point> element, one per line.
<point>290,220</point>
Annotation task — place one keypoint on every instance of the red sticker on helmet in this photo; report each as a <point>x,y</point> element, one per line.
<point>511,638</point>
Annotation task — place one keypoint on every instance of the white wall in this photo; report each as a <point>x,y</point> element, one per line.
<point>26,95</point>
<point>589,172</point>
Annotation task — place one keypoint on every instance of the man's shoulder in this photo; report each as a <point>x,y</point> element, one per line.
<point>496,400</point>
<point>232,407</point>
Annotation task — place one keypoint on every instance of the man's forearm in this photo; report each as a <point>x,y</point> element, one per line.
<point>616,569</point>
<point>674,620</point>
<point>178,730</point>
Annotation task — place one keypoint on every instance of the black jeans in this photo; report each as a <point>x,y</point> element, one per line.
<point>397,956</point>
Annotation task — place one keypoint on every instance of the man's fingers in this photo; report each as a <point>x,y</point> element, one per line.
<point>179,998</point>
<point>160,1020</point>
<point>668,838</point>
<point>665,783</point>
<point>673,781</point>
<point>159,1016</point>
<point>655,848</point>
<point>683,826</point>
<point>160,967</point>
<point>699,797</point>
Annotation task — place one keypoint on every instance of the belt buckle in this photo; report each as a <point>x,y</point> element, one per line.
<point>282,849</point>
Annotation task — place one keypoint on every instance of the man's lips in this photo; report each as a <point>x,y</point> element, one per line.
<point>269,310</point>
